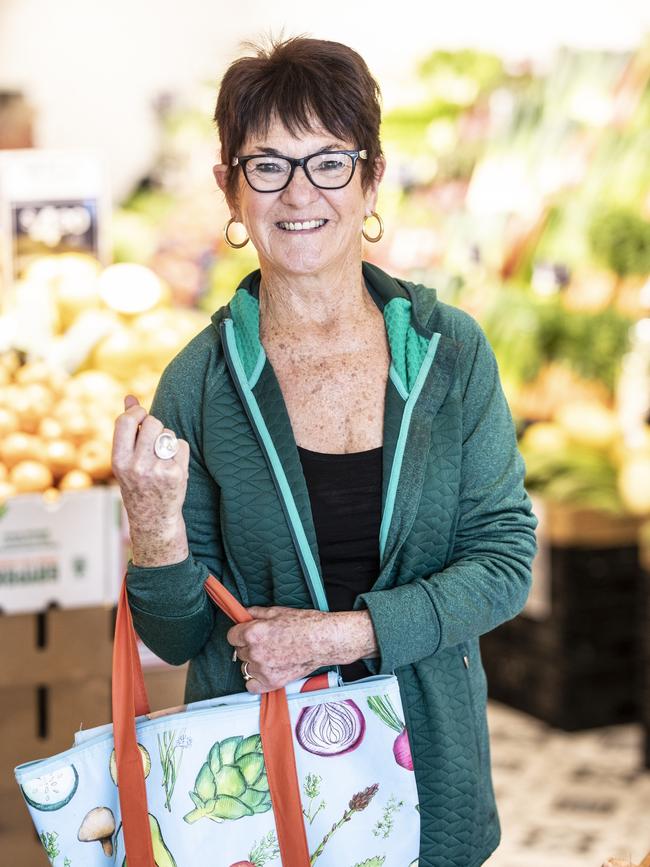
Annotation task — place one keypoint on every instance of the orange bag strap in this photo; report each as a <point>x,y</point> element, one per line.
<point>129,697</point>
<point>277,745</point>
<point>130,700</point>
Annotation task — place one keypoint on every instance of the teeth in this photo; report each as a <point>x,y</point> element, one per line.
<point>296,227</point>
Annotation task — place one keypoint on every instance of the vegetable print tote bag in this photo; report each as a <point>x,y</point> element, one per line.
<point>321,776</point>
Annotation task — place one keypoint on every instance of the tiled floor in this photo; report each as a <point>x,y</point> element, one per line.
<point>567,799</point>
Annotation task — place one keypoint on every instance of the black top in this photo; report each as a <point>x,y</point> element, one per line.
<point>345,495</point>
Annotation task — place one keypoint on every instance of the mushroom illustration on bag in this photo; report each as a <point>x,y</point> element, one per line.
<point>98,826</point>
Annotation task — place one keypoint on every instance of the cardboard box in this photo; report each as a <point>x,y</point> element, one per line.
<point>57,645</point>
<point>58,552</point>
<point>19,843</point>
<point>118,545</point>
<point>38,722</point>
<point>165,686</point>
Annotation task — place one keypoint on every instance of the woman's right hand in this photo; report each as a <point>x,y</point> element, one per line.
<point>153,489</point>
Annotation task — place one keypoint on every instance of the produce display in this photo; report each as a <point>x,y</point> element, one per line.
<point>108,334</point>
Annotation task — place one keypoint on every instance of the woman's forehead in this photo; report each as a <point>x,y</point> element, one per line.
<point>278,137</point>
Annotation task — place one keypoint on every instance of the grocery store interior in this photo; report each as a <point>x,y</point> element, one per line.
<point>517,139</point>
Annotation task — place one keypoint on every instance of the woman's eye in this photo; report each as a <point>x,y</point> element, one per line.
<point>267,168</point>
<point>329,165</point>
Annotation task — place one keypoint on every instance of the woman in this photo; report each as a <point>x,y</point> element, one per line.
<point>337,425</point>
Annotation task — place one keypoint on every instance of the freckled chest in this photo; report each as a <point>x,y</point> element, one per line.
<point>334,392</point>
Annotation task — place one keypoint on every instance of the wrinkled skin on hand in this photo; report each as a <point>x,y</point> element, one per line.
<point>153,490</point>
<point>284,644</point>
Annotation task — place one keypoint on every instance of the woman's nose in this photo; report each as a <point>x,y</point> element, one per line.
<point>300,188</point>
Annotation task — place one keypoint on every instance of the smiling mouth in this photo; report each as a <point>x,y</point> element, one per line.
<point>306,226</point>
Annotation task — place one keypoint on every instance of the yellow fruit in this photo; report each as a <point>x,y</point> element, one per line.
<point>93,386</point>
<point>8,421</point>
<point>60,456</point>
<point>634,484</point>
<point>119,354</point>
<point>43,373</point>
<point>51,495</point>
<point>6,490</point>
<point>30,476</point>
<point>4,472</point>
<point>75,480</point>
<point>50,429</point>
<point>32,403</point>
<point>95,459</point>
<point>16,447</point>
<point>589,423</point>
<point>10,361</point>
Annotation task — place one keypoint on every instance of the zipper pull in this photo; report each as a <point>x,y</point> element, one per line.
<point>466,660</point>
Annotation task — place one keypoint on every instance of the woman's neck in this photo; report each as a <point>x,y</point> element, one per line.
<point>318,305</point>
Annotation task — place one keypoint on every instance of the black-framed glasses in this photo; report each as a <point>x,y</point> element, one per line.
<point>327,170</point>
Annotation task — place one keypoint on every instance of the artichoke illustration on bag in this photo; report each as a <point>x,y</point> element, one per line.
<point>232,783</point>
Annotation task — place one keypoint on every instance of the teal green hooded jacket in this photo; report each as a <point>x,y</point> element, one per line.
<point>456,540</point>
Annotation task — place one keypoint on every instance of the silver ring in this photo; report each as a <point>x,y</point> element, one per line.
<point>234,655</point>
<point>165,445</point>
<point>245,672</point>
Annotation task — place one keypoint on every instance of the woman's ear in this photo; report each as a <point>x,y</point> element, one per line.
<point>373,186</point>
<point>220,172</point>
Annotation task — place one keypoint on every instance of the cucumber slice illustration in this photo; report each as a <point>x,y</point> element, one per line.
<point>52,791</point>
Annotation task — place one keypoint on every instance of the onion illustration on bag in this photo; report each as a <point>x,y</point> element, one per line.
<point>386,712</point>
<point>232,783</point>
<point>331,728</point>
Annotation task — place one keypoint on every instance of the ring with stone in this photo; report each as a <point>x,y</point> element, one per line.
<point>165,445</point>
<point>245,673</point>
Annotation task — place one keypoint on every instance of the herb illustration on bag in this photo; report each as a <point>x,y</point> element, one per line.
<point>311,788</point>
<point>357,803</point>
<point>170,747</point>
<point>262,853</point>
<point>377,861</point>
<point>52,791</point>
<point>232,783</point>
<point>384,826</point>
<point>381,705</point>
<point>48,839</point>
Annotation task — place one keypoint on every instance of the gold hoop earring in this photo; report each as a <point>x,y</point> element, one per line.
<point>228,241</point>
<point>381,228</point>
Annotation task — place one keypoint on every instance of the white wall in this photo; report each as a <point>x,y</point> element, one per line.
<point>92,68</point>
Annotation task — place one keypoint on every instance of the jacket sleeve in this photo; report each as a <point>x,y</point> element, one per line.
<point>488,574</point>
<point>171,611</point>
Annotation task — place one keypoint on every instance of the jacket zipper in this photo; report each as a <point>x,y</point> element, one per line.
<point>305,556</point>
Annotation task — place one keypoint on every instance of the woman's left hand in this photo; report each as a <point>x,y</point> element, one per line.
<point>283,644</point>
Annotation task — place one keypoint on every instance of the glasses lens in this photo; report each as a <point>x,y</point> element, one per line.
<point>330,170</point>
<point>267,173</point>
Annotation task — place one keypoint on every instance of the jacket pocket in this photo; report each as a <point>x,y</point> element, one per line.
<point>468,660</point>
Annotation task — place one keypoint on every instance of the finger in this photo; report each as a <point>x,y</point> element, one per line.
<point>125,432</point>
<point>236,636</point>
<point>150,428</point>
<point>182,456</point>
<point>130,401</point>
<point>259,612</point>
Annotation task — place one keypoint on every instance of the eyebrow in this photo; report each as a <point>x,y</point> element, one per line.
<point>276,153</point>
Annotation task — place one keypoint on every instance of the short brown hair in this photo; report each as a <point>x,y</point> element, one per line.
<point>296,80</point>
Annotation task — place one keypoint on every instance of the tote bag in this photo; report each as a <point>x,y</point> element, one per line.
<point>321,776</point>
